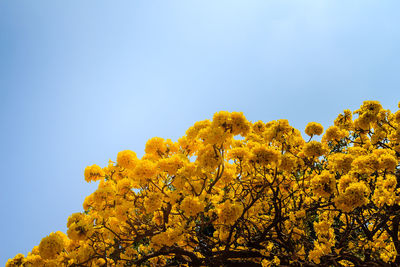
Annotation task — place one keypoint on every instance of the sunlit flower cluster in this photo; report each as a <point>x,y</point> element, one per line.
<point>233,192</point>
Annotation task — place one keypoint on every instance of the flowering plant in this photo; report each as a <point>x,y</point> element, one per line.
<point>235,192</point>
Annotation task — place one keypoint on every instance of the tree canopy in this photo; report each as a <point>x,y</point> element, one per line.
<point>236,193</point>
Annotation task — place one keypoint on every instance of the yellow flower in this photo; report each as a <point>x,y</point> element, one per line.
<point>18,260</point>
<point>33,260</point>
<point>324,185</point>
<point>209,157</point>
<point>397,116</point>
<point>314,128</point>
<point>234,122</point>
<point>387,162</point>
<point>265,155</point>
<point>340,162</point>
<point>345,121</point>
<point>171,165</point>
<point>334,133</point>
<point>93,173</point>
<point>153,202</point>
<point>366,164</point>
<point>229,212</point>
<point>368,113</point>
<point>371,107</point>
<point>214,135</point>
<point>127,159</point>
<point>168,238</point>
<point>155,146</point>
<point>124,186</point>
<point>344,182</point>
<point>144,171</point>
<point>51,246</point>
<point>79,226</point>
<point>240,125</point>
<point>288,162</point>
<point>354,196</point>
<point>258,127</point>
<point>384,192</point>
<point>191,206</point>
<point>240,153</point>
<point>314,149</point>
<point>193,131</point>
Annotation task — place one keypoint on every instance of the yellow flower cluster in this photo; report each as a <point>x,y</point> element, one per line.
<point>267,197</point>
<point>264,155</point>
<point>156,146</point>
<point>314,128</point>
<point>340,162</point>
<point>79,226</point>
<point>93,173</point>
<point>314,149</point>
<point>229,212</point>
<point>144,171</point>
<point>334,134</point>
<point>385,192</point>
<point>52,245</point>
<point>324,184</point>
<point>192,206</point>
<point>345,120</point>
<point>127,159</point>
<point>353,196</point>
<point>153,202</point>
<point>368,115</point>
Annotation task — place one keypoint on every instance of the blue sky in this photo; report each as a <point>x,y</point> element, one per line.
<point>82,80</point>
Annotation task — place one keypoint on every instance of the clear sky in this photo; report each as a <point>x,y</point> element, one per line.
<point>82,80</point>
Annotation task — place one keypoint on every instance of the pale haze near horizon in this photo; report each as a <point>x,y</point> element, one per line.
<point>82,80</point>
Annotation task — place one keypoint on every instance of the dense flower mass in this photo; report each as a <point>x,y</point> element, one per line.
<point>236,193</point>
<point>314,128</point>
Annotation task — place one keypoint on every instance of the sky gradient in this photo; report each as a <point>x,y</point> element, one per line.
<point>82,80</point>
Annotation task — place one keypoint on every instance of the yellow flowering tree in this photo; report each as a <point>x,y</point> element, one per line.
<point>233,192</point>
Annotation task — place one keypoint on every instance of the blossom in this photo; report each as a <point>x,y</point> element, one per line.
<point>153,202</point>
<point>212,197</point>
<point>265,155</point>
<point>51,245</point>
<point>334,133</point>
<point>340,162</point>
<point>79,226</point>
<point>191,206</point>
<point>127,159</point>
<point>345,120</point>
<point>156,146</point>
<point>354,196</point>
<point>314,149</point>
<point>323,185</point>
<point>93,173</point>
<point>229,212</point>
<point>144,171</point>
<point>314,128</point>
